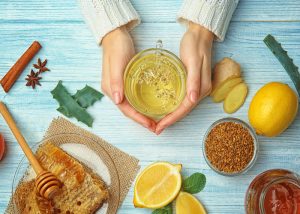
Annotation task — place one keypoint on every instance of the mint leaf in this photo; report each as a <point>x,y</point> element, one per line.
<point>165,210</point>
<point>195,183</point>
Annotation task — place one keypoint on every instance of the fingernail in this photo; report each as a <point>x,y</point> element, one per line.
<point>152,127</point>
<point>194,96</point>
<point>117,98</point>
<point>158,131</point>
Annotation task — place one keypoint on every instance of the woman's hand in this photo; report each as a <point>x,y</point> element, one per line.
<point>118,49</point>
<point>195,53</point>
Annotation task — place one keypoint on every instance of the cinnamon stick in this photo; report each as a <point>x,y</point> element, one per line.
<point>15,71</point>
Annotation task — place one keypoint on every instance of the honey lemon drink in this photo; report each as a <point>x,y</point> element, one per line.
<point>155,82</point>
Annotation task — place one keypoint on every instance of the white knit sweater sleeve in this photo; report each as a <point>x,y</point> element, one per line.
<point>214,15</point>
<point>103,16</point>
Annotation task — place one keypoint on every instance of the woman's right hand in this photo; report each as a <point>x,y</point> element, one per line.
<point>118,49</point>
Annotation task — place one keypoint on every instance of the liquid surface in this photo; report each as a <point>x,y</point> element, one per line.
<point>154,84</point>
<point>282,198</point>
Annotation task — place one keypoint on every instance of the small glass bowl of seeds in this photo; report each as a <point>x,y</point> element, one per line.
<point>230,147</point>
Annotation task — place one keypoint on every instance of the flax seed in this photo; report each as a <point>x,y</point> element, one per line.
<point>229,147</point>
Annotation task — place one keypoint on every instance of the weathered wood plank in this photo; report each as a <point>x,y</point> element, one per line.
<point>74,55</point>
<point>74,58</point>
<point>173,146</point>
<point>150,10</point>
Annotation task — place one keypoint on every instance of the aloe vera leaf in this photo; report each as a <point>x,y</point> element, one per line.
<point>64,111</point>
<point>69,107</point>
<point>87,96</point>
<point>284,59</point>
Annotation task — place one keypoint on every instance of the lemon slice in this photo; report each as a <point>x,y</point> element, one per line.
<point>157,185</point>
<point>188,204</point>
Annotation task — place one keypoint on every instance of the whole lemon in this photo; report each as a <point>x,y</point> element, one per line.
<point>273,109</point>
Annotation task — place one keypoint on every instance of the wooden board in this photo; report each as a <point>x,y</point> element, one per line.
<point>75,58</point>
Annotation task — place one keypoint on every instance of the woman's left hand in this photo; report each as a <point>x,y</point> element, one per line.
<point>195,53</point>
<point>118,49</point>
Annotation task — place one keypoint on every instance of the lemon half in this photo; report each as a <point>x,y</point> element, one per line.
<point>157,185</point>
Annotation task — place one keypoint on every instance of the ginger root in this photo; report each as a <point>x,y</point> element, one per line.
<point>235,98</point>
<point>222,91</point>
<point>224,70</point>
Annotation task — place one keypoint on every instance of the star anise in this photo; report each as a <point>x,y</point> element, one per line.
<point>33,79</point>
<point>41,66</point>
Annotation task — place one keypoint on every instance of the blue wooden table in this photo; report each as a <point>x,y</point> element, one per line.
<point>75,58</point>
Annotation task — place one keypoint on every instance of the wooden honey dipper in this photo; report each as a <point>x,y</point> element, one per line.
<point>46,183</point>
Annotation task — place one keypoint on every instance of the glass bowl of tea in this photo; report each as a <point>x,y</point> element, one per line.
<point>155,82</point>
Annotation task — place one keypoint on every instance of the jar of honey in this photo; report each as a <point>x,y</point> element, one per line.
<point>155,82</point>
<point>275,191</point>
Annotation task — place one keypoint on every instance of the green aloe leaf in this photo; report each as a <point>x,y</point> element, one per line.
<point>87,96</point>
<point>69,107</point>
<point>284,59</point>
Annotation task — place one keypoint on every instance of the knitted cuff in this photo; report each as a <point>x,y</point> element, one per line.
<point>103,16</point>
<point>214,15</point>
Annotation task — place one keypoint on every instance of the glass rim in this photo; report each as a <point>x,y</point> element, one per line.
<point>255,142</point>
<point>180,64</point>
